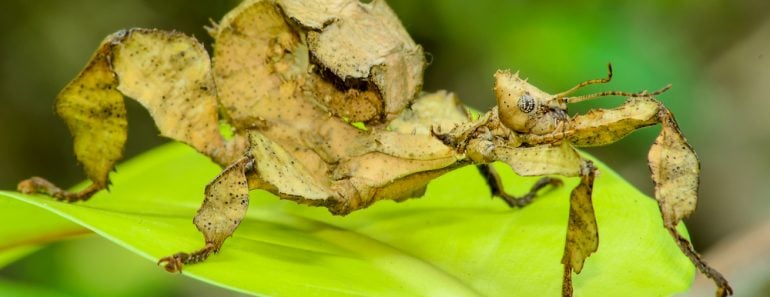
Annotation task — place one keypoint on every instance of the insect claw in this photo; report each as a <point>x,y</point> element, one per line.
<point>173,263</point>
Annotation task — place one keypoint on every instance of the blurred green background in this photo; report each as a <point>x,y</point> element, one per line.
<point>715,53</point>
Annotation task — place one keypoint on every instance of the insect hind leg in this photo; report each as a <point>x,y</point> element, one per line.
<point>41,185</point>
<point>224,207</point>
<point>496,187</point>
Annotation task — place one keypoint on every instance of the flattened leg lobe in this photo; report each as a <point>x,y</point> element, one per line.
<point>95,114</point>
<point>582,230</point>
<point>225,205</point>
<point>675,170</point>
<point>169,73</point>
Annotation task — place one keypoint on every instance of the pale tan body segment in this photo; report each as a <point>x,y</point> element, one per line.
<point>291,76</point>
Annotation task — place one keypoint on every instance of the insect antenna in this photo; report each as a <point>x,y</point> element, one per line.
<point>588,83</point>
<point>616,93</point>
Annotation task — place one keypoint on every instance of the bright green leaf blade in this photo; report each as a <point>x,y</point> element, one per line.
<point>14,289</point>
<point>26,228</point>
<point>455,241</point>
<point>10,255</point>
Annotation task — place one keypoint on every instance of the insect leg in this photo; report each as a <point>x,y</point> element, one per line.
<point>582,232</point>
<point>167,72</point>
<point>675,169</point>
<point>225,205</point>
<point>672,161</point>
<point>37,184</point>
<point>266,166</point>
<point>496,186</point>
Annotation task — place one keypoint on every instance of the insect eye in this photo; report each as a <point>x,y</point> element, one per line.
<point>526,103</point>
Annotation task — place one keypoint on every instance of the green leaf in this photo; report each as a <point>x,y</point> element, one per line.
<point>12,289</point>
<point>26,228</point>
<point>455,241</point>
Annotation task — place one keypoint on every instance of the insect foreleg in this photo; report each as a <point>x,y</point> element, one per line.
<point>674,166</point>
<point>605,126</point>
<point>496,186</point>
<point>675,170</point>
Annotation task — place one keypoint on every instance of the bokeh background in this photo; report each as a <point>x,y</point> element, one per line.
<point>716,53</point>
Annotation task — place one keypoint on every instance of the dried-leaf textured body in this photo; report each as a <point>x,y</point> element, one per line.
<point>292,78</point>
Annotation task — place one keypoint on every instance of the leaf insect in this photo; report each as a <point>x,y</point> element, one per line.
<point>290,77</point>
